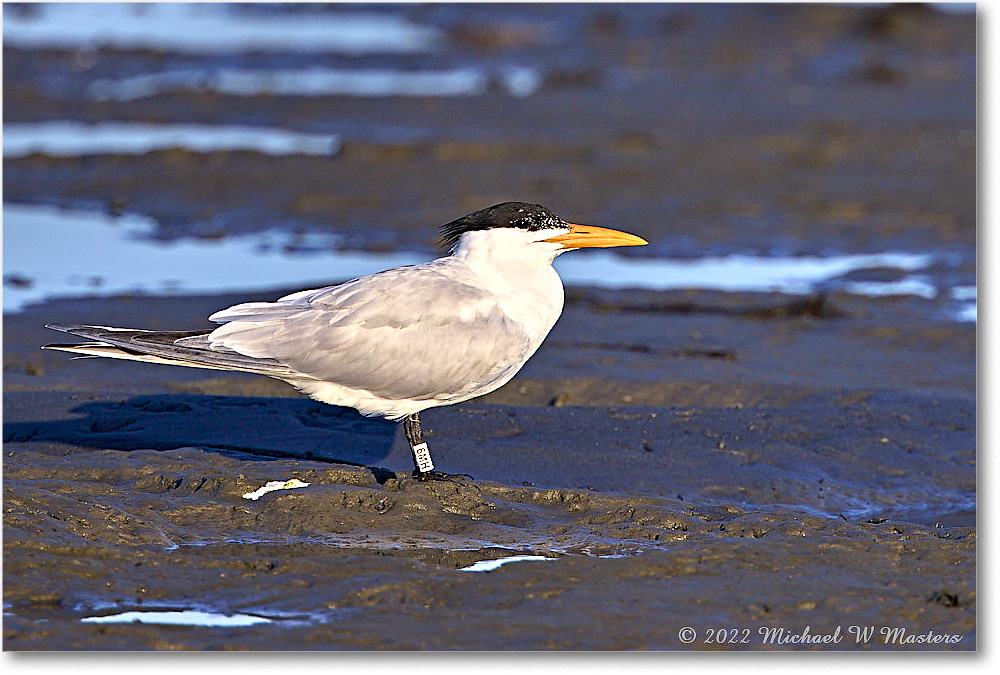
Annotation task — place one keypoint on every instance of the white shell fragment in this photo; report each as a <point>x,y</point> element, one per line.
<point>490,565</point>
<point>275,485</point>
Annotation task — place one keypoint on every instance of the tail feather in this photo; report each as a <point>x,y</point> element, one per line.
<point>94,350</point>
<point>178,348</point>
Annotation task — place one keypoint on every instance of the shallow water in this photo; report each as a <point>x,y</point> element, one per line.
<point>64,254</point>
<point>315,81</point>
<point>208,28</point>
<point>50,252</point>
<point>74,139</point>
<point>186,617</point>
<point>968,307</point>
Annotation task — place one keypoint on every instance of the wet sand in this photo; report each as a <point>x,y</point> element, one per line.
<point>689,459</point>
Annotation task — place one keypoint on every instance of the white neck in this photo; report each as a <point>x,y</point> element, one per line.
<point>516,266</point>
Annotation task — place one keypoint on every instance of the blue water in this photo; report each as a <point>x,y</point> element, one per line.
<point>186,617</point>
<point>55,253</point>
<point>205,28</point>
<point>74,139</point>
<point>317,81</point>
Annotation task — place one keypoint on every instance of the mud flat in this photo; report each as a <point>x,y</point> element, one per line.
<point>742,492</point>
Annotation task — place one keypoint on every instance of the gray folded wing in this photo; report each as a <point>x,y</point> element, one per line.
<point>410,333</point>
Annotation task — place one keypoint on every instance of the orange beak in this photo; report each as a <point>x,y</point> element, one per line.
<point>590,236</point>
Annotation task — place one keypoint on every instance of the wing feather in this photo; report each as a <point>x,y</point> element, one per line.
<point>410,333</point>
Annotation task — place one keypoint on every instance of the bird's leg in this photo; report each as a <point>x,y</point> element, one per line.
<point>415,437</point>
<point>423,466</point>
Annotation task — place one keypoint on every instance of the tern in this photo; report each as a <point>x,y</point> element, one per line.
<point>398,342</point>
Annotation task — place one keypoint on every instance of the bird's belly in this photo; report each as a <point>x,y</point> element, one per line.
<point>429,389</point>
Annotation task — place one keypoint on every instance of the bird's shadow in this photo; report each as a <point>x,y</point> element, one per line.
<point>250,427</point>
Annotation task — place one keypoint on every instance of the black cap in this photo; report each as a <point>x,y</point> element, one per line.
<point>507,214</point>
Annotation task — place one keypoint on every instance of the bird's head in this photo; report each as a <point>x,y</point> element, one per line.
<point>532,226</point>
